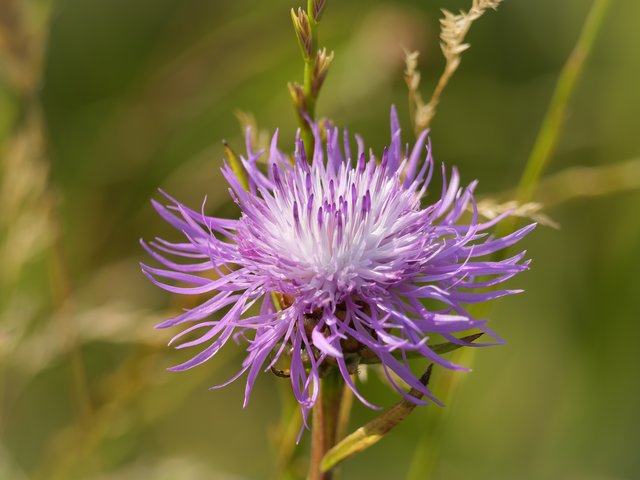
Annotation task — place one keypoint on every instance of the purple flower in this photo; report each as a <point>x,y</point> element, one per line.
<point>333,258</point>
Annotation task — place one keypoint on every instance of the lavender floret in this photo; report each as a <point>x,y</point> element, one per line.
<point>338,256</point>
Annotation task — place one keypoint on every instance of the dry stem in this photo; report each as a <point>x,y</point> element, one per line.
<point>453,30</point>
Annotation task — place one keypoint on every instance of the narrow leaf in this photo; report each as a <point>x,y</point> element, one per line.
<point>447,347</point>
<point>369,357</point>
<point>374,431</point>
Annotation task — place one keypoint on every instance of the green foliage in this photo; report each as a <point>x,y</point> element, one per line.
<point>137,95</point>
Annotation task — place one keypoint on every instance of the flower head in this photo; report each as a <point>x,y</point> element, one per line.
<point>333,258</point>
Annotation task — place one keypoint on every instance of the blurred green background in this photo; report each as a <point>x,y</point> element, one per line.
<point>104,101</point>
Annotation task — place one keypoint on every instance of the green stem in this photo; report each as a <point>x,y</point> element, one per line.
<point>553,121</point>
<point>309,97</point>
<point>425,456</point>
<point>324,429</point>
<point>536,163</point>
<point>345,412</point>
<point>287,431</point>
<point>310,102</point>
<point>554,118</point>
<point>375,430</point>
<point>538,160</point>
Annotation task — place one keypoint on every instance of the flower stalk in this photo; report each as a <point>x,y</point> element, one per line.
<point>555,115</point>
<point>553,121</point>
<point>374,431</point>
<point>316,67</point>
<point>307,224</point>
<point>326,414</point>
<point>453,32</point>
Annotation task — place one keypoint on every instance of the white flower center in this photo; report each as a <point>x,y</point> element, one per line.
<point>335,233</point>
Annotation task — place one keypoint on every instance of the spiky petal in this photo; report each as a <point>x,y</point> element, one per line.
<point>347,241</point>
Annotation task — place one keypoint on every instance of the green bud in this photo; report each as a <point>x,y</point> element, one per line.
<point>318,6</point>
<point>302,27</point>
<point>297,96</point>
<point>236,165</point>
<point>321,64</point>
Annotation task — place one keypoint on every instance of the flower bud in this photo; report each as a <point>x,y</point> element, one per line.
<point>236,165</point>
<point>321,65</point>
<point>318,7</point>
<point>297,96</point>
<point>302,26</point>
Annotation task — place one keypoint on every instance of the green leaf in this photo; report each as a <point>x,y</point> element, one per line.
<point>374,431</point>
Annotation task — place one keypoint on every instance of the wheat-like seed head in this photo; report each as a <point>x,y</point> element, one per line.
<point>453,30</point>
<point>490,208</point>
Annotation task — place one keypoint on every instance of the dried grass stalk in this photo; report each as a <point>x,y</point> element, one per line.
<point>453,30</point>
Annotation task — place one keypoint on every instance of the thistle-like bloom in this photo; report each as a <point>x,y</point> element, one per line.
<point>332,259</point>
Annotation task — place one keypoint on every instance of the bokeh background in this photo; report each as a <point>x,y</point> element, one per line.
<point>102,102</point>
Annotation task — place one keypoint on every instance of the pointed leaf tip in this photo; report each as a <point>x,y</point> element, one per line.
<point>371,433</point>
